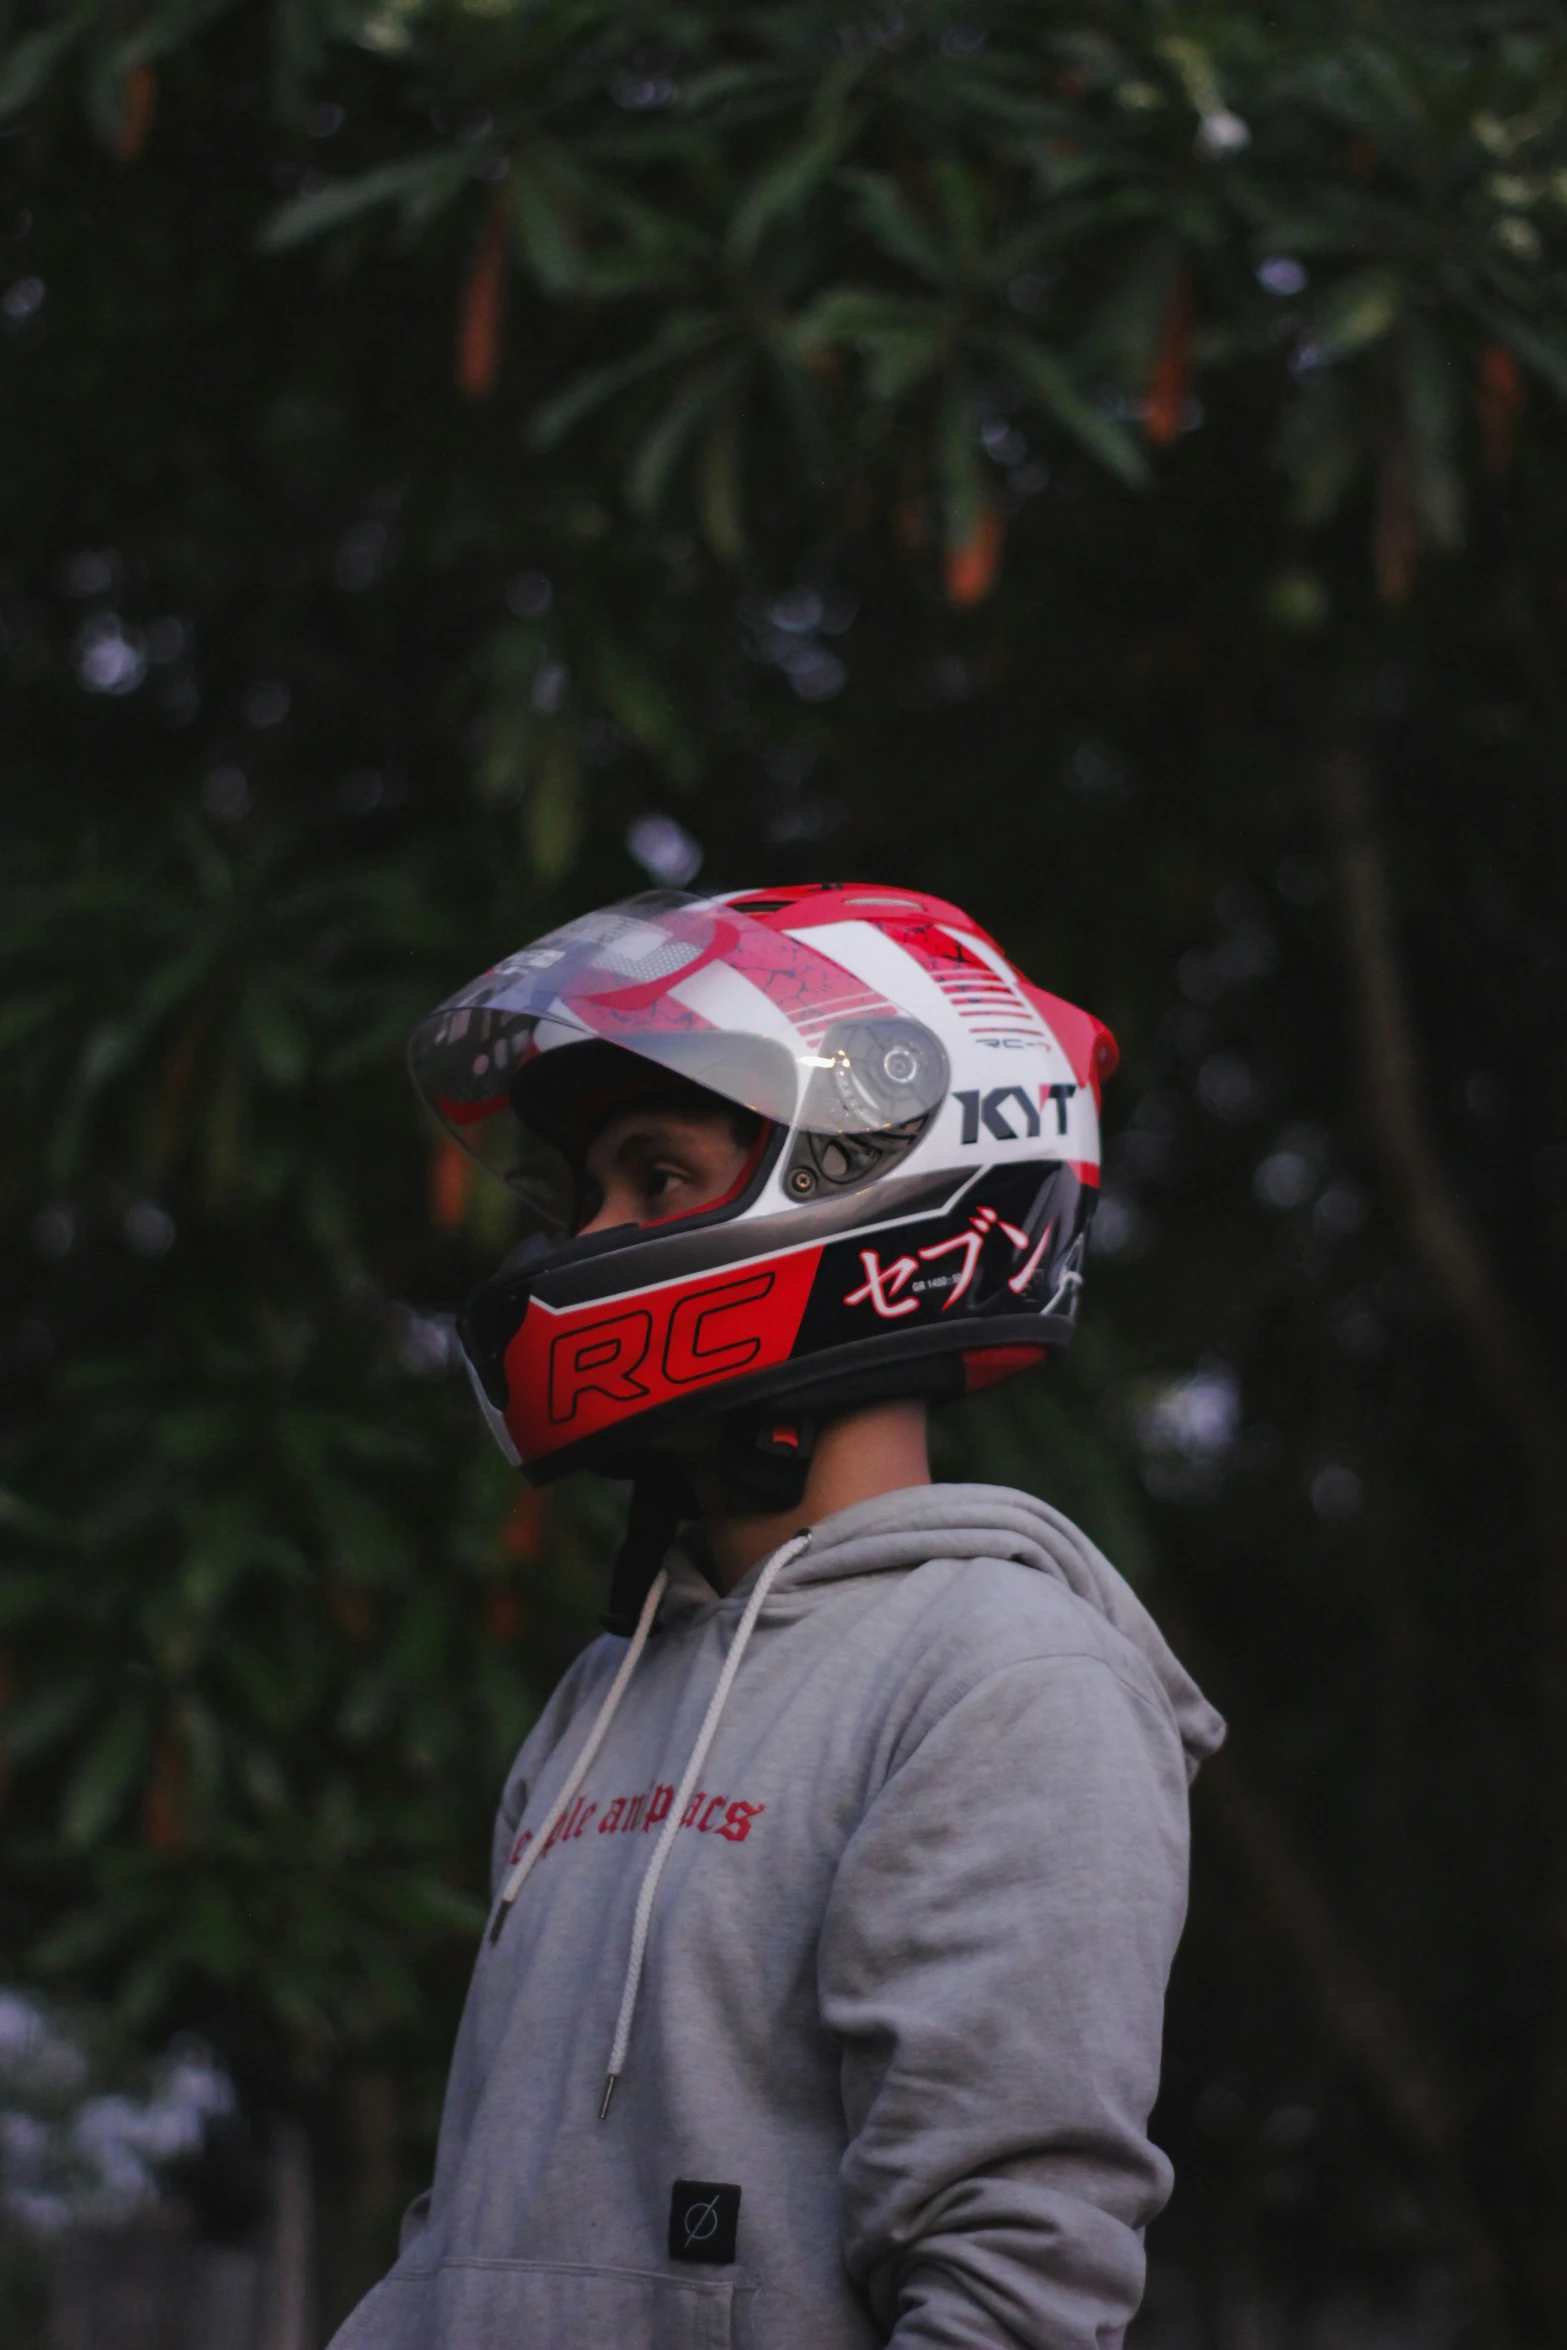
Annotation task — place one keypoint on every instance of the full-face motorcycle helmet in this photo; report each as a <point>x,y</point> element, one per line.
<point>912,1215</point>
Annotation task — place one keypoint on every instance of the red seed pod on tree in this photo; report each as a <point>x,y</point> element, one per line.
<point>911,515</point>
<point>909,524</point>
<point>141,103</point>
<point>163,1824</point>
<point>522,1531</point>
<point>1169,386</point>
<point>482,320</point>
<point>504,1615</point>
<point>972,567</point>
<point>451,1178</point>
<point>350,1610</point>
<point>1499,402</point>
<point>1395,530</point>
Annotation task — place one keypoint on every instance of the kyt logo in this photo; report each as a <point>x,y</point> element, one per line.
<point>996,1110</point>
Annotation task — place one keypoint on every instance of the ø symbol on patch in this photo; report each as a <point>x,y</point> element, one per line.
<point>701,2222</point>
<point>704,2216</point>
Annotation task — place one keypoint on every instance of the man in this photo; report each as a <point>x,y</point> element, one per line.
<point>836,1889</point>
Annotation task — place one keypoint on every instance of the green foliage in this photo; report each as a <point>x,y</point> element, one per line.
<point>1003,456</point>
<point>419,188</point>
<point>731,197</point>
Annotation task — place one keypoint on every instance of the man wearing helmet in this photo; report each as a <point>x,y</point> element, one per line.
<point>836,1888</point>
<point>654,1154</point>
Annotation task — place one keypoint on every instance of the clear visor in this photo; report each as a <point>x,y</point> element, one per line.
<point>696,989</point>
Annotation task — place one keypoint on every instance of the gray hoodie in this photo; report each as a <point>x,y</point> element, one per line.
<point>889,2057</point>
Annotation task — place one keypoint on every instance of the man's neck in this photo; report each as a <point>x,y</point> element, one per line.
<point>881,1449</point>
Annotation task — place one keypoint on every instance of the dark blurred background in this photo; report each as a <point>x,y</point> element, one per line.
<point>463,458</point>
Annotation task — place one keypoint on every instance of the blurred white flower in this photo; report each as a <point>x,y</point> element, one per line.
<point>1222,133</point>
<point>665,850</point>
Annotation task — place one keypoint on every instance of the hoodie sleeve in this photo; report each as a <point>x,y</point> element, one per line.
<point>993,1961</point>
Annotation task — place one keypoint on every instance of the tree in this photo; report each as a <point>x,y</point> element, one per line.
<point>1102,462</point>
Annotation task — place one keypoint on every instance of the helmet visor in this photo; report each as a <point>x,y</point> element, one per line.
<point>694,988</point>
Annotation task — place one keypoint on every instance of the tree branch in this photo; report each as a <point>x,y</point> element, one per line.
<point>1363,2020</point>
<point>1518,1383</point>
<point>1425,1199</point>
<point>1358,2012</point>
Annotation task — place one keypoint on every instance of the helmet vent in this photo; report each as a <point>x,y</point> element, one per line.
<point>830,1163</point>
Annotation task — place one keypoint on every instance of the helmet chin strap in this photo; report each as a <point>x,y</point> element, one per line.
<point>661,1501</point>
<point>763,1463</point>
<point>764,1458</point>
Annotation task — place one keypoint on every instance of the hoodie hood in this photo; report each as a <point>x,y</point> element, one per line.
<point>899,1531</point>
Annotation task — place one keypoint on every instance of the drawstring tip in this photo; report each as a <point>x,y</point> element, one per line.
<point>609,2091</point>
<point>501,1915</point>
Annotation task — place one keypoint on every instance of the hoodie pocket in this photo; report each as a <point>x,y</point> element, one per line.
<point>537,2305</point>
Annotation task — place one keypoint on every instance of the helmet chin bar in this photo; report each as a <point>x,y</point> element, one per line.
<point>624,1342</point>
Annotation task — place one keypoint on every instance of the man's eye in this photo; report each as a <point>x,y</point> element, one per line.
<point>658,1180</point>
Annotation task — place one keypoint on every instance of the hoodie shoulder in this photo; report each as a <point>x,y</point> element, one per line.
<point>999,1577</point>
<point>986,1613</point>
<point>580,1687</point>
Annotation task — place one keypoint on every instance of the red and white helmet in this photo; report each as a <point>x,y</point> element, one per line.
<point>912,1220</point>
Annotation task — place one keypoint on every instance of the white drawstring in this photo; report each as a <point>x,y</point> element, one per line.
<point>580,1768</point>
<point>704,1739</point>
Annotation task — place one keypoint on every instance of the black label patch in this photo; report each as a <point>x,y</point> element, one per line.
<point>703,2219</point>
